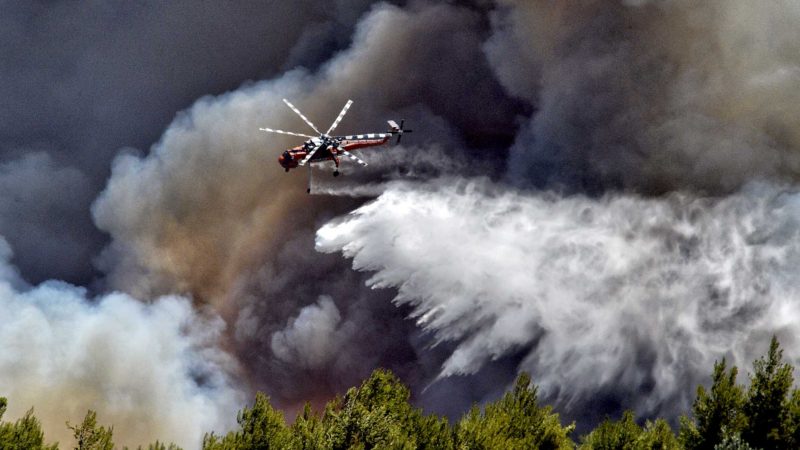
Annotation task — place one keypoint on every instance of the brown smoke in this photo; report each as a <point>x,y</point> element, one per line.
<point>209,213</point>
<point>646,96</point>
<point>652,95</point>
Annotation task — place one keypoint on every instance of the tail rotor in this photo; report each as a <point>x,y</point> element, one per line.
<point>398,129</point>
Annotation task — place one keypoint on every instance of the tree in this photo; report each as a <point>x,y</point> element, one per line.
<point>767,405</point>
<point>794,418</point>
<point>515,421</point>
<point>309,432</point>
<point>625,434</point>
<point>24,434</point>
<point>716,413</point>
<point>157,445</point>
<point>434,433</point>
<point>659,436</point>
<point>89,436</point>
<point>378,415</point>
<point>732,441</point>
<point>261,428</point>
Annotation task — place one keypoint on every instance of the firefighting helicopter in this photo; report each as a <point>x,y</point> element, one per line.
<point>329,148</point>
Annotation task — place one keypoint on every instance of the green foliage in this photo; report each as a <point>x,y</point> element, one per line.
<point>794,418</point>
<point>24,434</point>
<point>89,436</point>
<point>732,441</point>
<point>659,436</point>
<point>515,421</point>
<point>309,432</point>
<point>625,434</point>
<point>377,415</point>
<point>767,405</point>
<point>717,413</point>
<point>261,428</point>
<point>159,446</point>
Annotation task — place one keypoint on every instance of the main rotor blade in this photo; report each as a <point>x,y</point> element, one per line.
<point>270,130</point>
<point>361,137</point>
<point>353,157</point>
<point>339,118</point>
<point>301,115</point>
<point>309,155</point>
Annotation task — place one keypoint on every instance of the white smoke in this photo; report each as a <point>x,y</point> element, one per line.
<point>153,371</point>
<point>620,294</point>
<point>313,338</point>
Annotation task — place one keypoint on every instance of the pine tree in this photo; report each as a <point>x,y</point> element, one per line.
<point>659,436</point>
<point>794,419</point>
<point>309,432</point>
<point>515,421</point>
<point>157,445</point>
<point>624,434</point>
<point>261,428</point>
<point>89,436</point>
<point>733,441</point>
<point>24,434</point>
<point>767,405</point>
<point>378,415</point>
<point>716,413</point>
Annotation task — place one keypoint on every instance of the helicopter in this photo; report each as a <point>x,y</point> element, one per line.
<point>325,147</point>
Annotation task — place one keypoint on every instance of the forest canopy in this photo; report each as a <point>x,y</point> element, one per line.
<point>761,413</point>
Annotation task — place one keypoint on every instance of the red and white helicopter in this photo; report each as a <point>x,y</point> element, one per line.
<point>329,148</point>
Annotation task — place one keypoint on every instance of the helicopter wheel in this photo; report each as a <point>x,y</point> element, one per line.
<point>336,173</point>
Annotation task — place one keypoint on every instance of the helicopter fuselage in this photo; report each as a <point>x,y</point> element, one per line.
<point>291,158</point>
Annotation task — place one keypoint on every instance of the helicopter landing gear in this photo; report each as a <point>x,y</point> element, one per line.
<point>336,173</point>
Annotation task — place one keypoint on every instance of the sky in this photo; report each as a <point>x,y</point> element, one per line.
<point>603,194</point>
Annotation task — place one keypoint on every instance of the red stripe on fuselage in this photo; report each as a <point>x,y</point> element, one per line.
<point>298,153</point>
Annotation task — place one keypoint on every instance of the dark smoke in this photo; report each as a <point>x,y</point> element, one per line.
<point>241,235</point>
<point>651,96</point>
<point>80,81</point>
<point>627,162</point>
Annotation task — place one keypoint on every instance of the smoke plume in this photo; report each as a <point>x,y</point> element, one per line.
<point>652,96</point>
<point>209,212</point>
<point>602,193</point>
<point>154,371</point>
<point>79,82</point>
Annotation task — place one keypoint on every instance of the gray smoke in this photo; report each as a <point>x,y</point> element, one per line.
<point>619,301</point>
<point>312,338</point>
<point>79,82</point>
<point>154,371</point>
<point>39,213</point>
<point>209,212</point>
<point>653,96</point>
<point>671,125</point>
<point>176,231</point>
